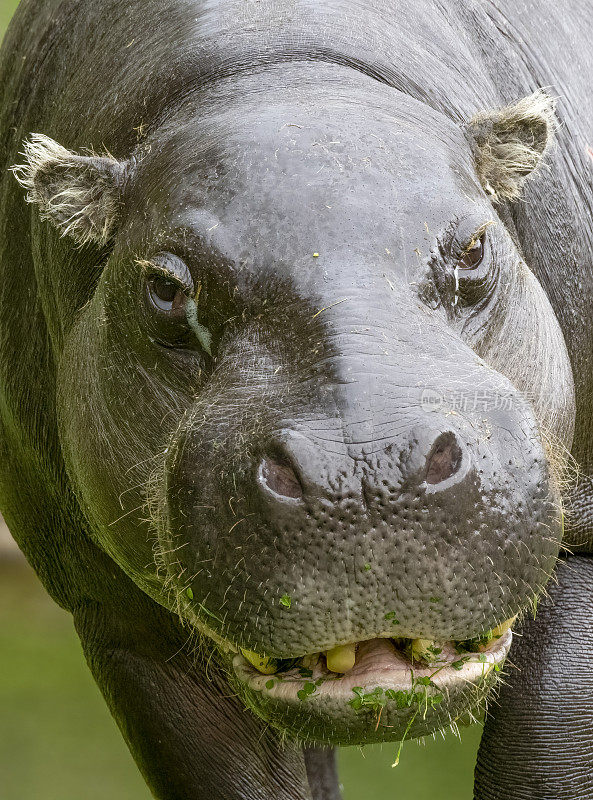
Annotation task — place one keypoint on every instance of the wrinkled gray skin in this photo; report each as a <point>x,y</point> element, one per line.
<point>316,170</point>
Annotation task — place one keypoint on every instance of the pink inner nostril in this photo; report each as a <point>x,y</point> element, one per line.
<point>444,460</point>
<point>280,478</point>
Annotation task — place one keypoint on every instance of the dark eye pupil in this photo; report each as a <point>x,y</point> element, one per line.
<point>166,295</point>
<point>165,290</point>
<point>473,257</point>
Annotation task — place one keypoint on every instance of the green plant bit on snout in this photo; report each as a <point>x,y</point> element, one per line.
<point>308,689</point>
<point>458,665</point>
<point>401,744</point>
<point>375,699</point>
<point>286,601</point>
<point>203,335</point>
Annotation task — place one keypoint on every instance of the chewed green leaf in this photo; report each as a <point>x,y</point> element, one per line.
<point>374,700</point>
<point>308,689</point>
<point>458,665</point>
<point>202,334</point>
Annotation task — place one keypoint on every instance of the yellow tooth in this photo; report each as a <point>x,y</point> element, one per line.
<point>503,627</point>
<point>310,661</point>
<point>497,632</point>
<point>424,650</point>
<point>341,659</point>
<point>267,666</point>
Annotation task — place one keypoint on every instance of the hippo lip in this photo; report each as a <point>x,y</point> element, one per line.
<point>382,686</point>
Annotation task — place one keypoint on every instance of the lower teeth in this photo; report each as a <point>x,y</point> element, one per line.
<point>308,662</point>
<point>341,659</point>
<point>267,666</point>
<point>424,650</point>
<point>497,632</point>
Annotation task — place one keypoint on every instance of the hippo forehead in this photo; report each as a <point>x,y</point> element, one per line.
<point>276,183</point>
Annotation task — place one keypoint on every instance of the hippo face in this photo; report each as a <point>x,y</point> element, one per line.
<point>315,402</point>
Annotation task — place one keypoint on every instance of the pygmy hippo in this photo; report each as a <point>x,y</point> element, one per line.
<point>296,358</point>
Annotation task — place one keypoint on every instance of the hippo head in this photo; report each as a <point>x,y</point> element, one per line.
<point>314,401</point>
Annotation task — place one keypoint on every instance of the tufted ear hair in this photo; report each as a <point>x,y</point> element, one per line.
<point>509,143</point>
<point>79,194</point>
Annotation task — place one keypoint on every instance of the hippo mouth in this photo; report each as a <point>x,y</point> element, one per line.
<point>387,689</point>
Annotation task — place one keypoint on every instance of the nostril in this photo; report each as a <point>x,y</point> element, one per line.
<point>280,478</point>
<point>444,459</point>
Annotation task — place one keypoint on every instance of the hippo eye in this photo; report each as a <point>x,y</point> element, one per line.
<point>473,255</point>
<point>165,294</point>
<point>167,303</point>
<point>177,321</point>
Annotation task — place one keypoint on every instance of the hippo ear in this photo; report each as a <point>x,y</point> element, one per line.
<point>509,143</point>
<point>79,194</point>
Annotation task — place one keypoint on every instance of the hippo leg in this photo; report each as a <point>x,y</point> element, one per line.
<point>538,738</point>
<point>189,735</point>
<point>322,773</point>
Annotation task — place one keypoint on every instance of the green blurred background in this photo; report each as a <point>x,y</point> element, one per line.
<point>58,742</point>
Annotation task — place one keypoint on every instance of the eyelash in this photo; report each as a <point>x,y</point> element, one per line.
<point>184,281</point>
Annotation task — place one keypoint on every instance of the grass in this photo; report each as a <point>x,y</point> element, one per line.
<point>7,8</point>
<point>57,739</point>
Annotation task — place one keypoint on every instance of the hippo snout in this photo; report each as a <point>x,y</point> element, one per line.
<point>335,548</point>
<point>438,526</point>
